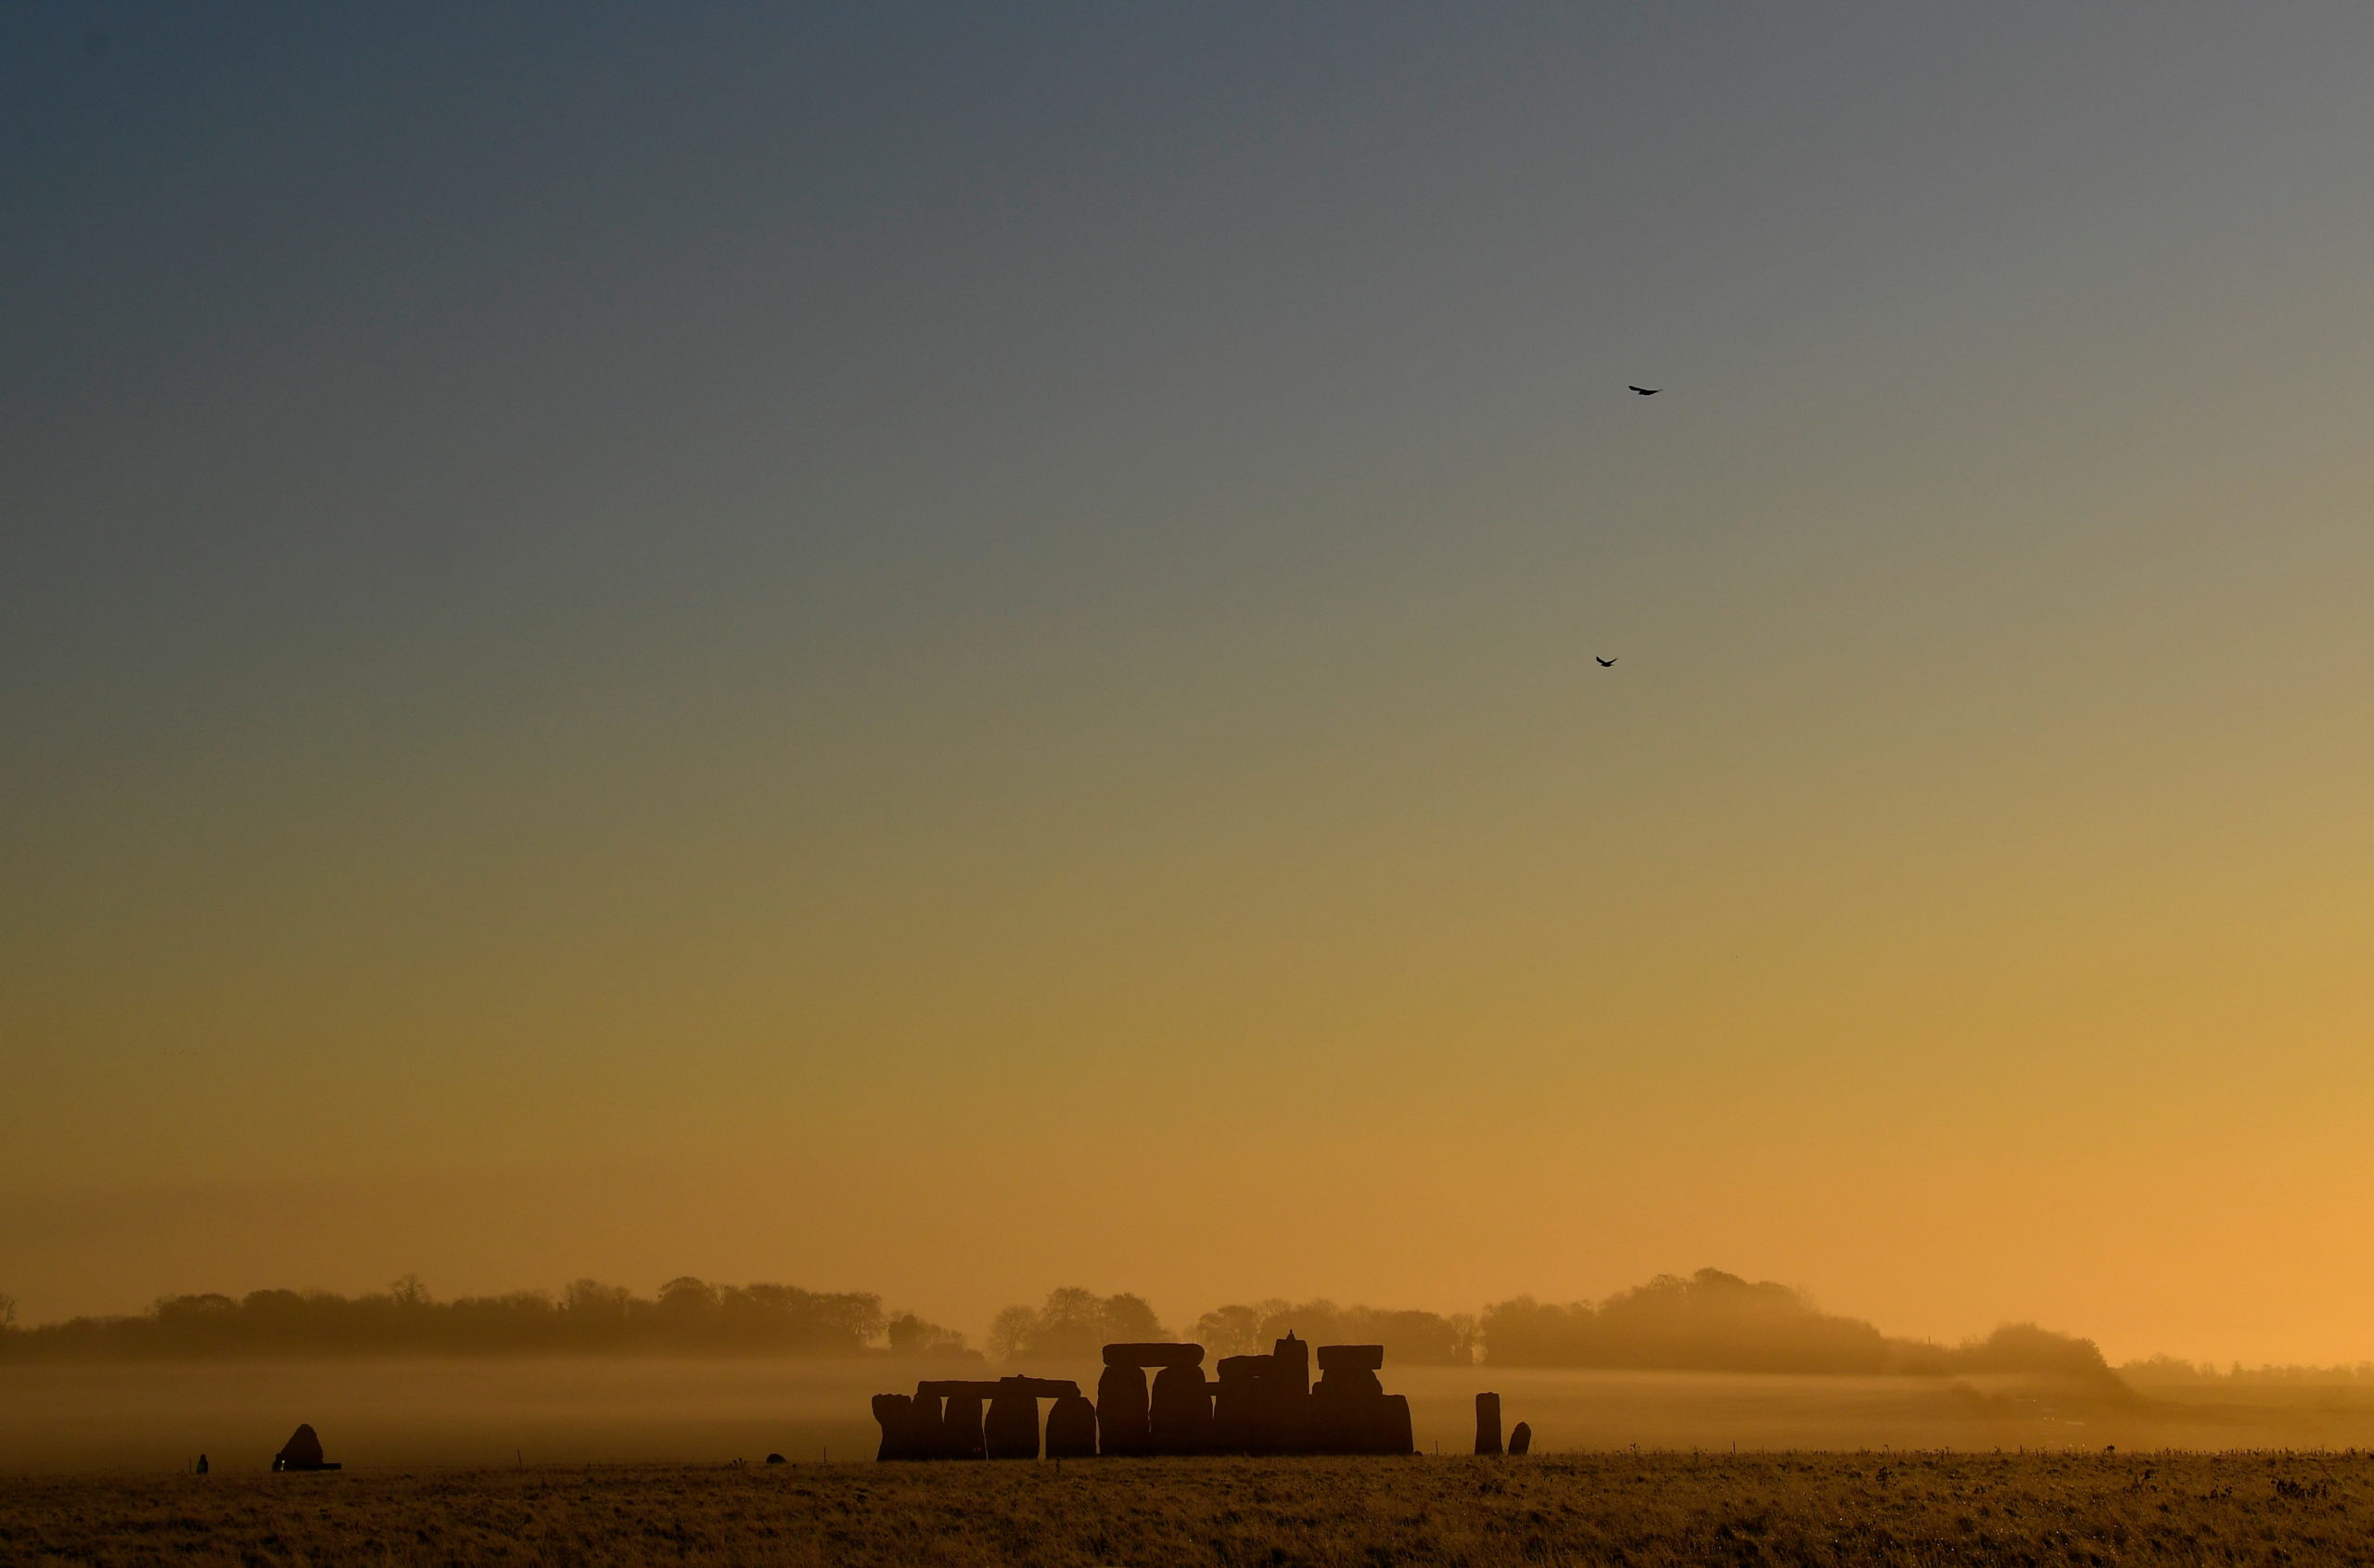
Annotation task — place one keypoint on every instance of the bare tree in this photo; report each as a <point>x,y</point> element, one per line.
<point>1236,1330</point>
<point>1072,1325</point>
<point>1012,1332</point>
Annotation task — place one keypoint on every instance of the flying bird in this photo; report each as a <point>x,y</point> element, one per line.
<point>1648,391</point>
<point>1604,663</point>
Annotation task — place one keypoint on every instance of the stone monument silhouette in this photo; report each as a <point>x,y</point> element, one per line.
<point>1071,1428</point>
<point>1487,1423</point>
<point>302,1451</point>
<point>1259,1405</point>
<point>973,1417</point>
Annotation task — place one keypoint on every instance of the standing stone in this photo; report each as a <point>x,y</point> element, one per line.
<point>927,1424</point>
<point>1347,1407</point>
<point>1399,1438</point>
<point>1350,1414</point>
<point>896,1412</point>
<point>1121,1410</point>
<point>1336,1416</point>
<point>961,1428</point>
<point>1071,1429</point>
<point>1377,1430</point>
<point>1179,1416</point>
<point>1335,1425</point>
<point>1487,1423</point>
<point>1521,1438</point>
<point>1012,1430</point>
<point>302,1451</point>
<point>1236,1414</point>
<point>1285,1403</point>
<point>1293,1359</point>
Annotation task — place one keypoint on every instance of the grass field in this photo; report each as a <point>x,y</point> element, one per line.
<point>1823,1508</point>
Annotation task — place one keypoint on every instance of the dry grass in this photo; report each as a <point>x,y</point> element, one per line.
<point>1826,1510</point>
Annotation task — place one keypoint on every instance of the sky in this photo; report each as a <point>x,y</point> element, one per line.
<point>952,649</point>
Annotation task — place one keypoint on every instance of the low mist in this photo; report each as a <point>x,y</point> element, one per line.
<point>702,1372</point>
<point>573,1410</point>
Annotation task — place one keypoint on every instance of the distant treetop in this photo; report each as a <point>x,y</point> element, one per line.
<point>688,1315</point>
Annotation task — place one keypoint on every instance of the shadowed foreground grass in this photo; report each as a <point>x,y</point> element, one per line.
<point>2296,1508</point>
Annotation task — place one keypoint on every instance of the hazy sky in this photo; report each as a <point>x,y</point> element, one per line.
<point>950,650</point>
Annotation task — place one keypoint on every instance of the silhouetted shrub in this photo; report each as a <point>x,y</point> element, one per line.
<point>911,1336</point>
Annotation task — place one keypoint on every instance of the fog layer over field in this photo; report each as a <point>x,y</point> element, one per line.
<point>600,1409</point>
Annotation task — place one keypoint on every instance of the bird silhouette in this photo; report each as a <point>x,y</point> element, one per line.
<point>1604,663</point>
<point>1648,391</point>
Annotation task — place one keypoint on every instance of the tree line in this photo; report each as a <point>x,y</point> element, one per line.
<point>1707,1321</point>
<point>1718,1322</point>
<point>688,1315</point>
<point>2172,1370</point>
<point>1073,1324</point>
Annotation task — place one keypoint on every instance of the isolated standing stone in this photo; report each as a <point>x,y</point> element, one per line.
<point>1487,1423</point>
<point>1521,1438</point>
<point>302,1451</point>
